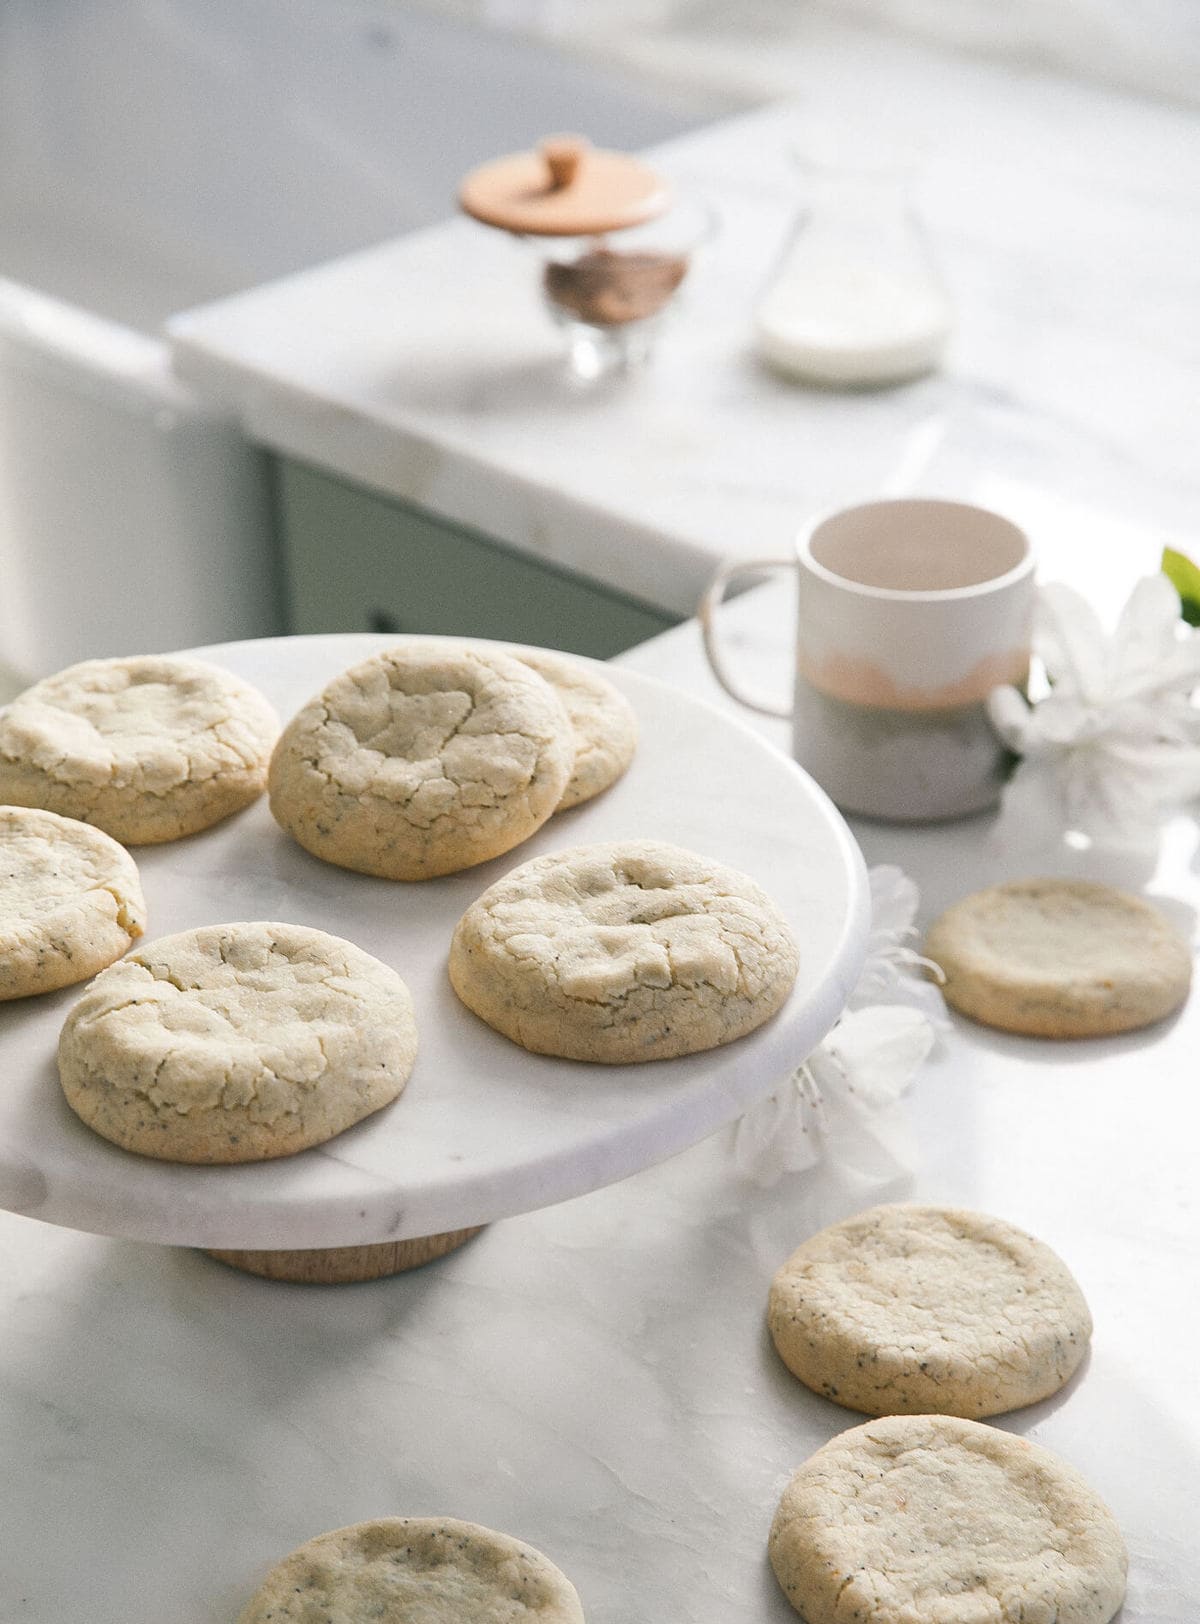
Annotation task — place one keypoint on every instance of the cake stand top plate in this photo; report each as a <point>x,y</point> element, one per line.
<point>483,1130</point>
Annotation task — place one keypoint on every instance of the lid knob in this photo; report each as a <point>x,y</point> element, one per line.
<point>563,155</point>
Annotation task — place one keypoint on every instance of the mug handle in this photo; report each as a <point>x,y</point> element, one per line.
<point>706,614</point>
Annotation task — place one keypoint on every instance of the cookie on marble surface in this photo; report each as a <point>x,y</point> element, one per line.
<point>415,1570</point>
<point>627,951</point>
<point>916,1310</point>
<point>70,901</point>
<point>421,761</point>
<point>932,1519</point>
<point>148,749</point>
<point>602,720</point>
<point>237,1043</point>
<point>1060,959</point>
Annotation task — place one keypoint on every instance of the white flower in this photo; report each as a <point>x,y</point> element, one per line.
<point>893,972</point>
<point>841,1093</point>
<point>843,1090</point>
<point>1115,745</point>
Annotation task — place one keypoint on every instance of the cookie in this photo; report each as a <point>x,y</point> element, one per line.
<point>148,749</point>
<point>415,1570</point>
<point>628,951</point>
<point>237,1043</point>
<point>602,721</point>
<point>931,1519</point>
<point>70,901</point>
<point>909,1310</point>
<point>1060,959</point>
<point>421,761</point>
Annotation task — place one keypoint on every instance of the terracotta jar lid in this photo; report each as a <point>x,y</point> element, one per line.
<point>567,188</point>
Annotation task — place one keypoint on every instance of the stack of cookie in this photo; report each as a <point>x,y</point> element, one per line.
<point>431,758</point>
<point>253,1040</point>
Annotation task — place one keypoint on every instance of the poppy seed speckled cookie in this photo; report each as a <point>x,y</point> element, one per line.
<point>415,1570</point>
<point>237,1043</point>
<point>421,761</point>
<point>931,1519</point>
<point>1060,959</point>
<point>149,748</point>
<point>602,721</point>
<point>912,1310</point>
<point>627,951</point>
<point>70,901</point>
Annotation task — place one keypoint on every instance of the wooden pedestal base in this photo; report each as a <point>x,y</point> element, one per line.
<point>341,1265</point>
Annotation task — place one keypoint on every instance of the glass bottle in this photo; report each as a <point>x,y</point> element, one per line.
<point>856,299</point>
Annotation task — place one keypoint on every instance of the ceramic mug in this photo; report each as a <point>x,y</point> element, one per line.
<point>910,612</point>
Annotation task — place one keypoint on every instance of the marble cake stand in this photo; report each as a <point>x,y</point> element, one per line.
<point>484,1130</point>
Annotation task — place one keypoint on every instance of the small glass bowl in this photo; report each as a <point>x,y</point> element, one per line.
<point>609,293</point>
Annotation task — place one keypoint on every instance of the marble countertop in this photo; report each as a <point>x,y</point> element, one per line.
<point>1064,218</point>
<point>596,1377</point>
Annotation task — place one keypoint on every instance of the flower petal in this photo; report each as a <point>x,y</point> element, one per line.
<point>1070,640</point>
<point>868,1149</point>
<point>879,1049</point>
<point>780,1134</point>
<point>1152,651</point>
<point>894,898</point>
<point>1011,715</point>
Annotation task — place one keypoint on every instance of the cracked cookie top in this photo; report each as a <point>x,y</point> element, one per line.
<point>70,901</point>
<point>148,749</point>
<point>627,951</point>
<point>602,721</point>
<point>929,1519</point>
<point>415,1570</point>
<point>914,1310</point>
<point>421,761</point>
<point>236,1043</point>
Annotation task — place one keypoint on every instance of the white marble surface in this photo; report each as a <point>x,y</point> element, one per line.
<point>1064,219</point>
<point>483,1129</point>
<point>596,1377</point>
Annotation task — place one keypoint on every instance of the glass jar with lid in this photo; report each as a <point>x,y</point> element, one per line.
<point>613,242</point>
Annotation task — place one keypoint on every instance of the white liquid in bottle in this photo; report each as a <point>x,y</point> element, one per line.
<point>847,323</point>
<point>856,299</point>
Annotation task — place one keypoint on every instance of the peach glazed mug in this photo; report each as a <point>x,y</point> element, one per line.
<point>910,611</point>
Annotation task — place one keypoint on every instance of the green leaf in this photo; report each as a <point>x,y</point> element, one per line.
<point>1184,576</point>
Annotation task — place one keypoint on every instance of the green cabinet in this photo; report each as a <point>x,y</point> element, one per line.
<point>355,561</point>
